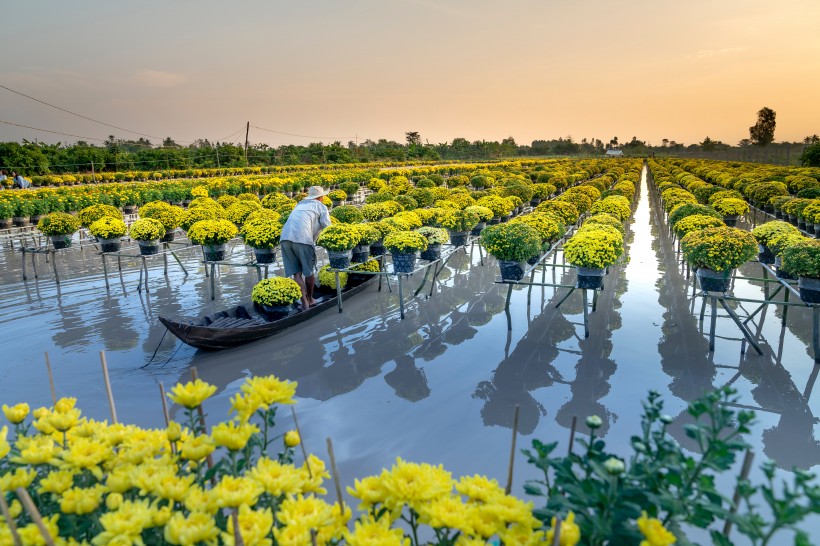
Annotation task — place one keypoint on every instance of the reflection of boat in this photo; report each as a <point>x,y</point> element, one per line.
<point>243,324</point>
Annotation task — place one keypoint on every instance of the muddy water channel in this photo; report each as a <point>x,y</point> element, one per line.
<point>439,386</point>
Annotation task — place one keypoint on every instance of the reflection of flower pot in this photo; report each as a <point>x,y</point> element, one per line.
<point>404,262</point>
<point>21,221</point>
<point>339,260</point>
<point>731,220</point>
<point>377,248</point>
<point>264,255</point>
<point>109,245</point>
<point>61,241</point>
<point>5,223</point>
<point>433,252</point>
<point>361,253</point>
<point>479,227</point>
<point>149,248</point>
<point>169,236</point>
<point>765,254</point>
<point>275,312</point>
<point>511,271</point>
<point>459,238</point>
<point>714,281</point>
<point>590,278</point>
<point>35,218</point>
<point>214,253</point>
<point>809,289</point>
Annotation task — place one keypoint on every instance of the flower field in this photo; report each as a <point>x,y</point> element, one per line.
<point>664,474</point>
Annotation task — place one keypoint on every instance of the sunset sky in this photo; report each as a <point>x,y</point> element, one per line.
<point>374,69</point>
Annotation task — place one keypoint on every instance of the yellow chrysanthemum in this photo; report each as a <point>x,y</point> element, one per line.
<point>232,436</point>
<point>479,488</point>
<point>276,478</point>
<point>375,533</point>
<point>190,531</point>
<point>570,532</point>
<point>234,492</point>
<point>292,438</point>
<point>36,450</point>
<point>16,414</point>
<point>125,524</point>
<point>654,531</point>
<point>30,534</point>
<point>369,491</point>
<point>21,477</point>
<point>196,448</point>
<point>254,527</point>
<point>57,482</point>
<point>81,500</point>
<point>192,393</point>
<point>270,389</point>
<point>415,484</point>
<point>4,445</point>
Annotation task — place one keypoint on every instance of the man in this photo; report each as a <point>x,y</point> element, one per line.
<point>3,179</point>
<point>19,181</point>
<point>298,241</point>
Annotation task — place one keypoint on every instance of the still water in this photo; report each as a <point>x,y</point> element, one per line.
<point>439,386</point>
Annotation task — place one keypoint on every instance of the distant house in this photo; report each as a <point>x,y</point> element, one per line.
<point>614,153</point>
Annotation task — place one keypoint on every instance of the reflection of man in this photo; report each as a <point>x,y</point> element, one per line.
<point>298,241</point>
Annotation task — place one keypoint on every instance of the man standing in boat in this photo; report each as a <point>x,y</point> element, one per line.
<point>298,241</point>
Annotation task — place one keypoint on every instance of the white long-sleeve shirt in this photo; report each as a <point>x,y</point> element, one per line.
<point>306,222</point>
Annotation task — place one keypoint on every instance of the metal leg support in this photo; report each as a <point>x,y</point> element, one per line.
<point>746,333</point>
<point>213,283</point>
<point>401,298</point>
<point>507,307</point>
<point>586,314</point>
<point>713,322</point>
<point>338,291</point>
<point>105,271</point>
<point>571,290</point>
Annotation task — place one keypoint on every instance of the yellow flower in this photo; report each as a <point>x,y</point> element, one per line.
<point>200,500</point>
<point>246,405</point>
<point>57,482</point>
<point>196,448</point>
<point>254,527</point>
<point>36,450</point>
<point>124,524</point>
<point>234,492</point>
<point>375,533</point>
<point>276,478</point>
<point>415,484</point>
<point>292,438</point>
<point>21,477</point>
<point>113,501</point>
<point>312,480</point>
<point>81,501</point>
<point>86,453</point>
<point>369,490</point>
<point>449,511</point>
<point>30,534</point>
<point>570,532</point>
<point>190,531</point>
<point>233,436</point>
<point>64,405</point>
<point>173,432</point>
<point>309,512</point>
<point>479,488</point>
<point>192,393</point>
<point>4,445</point>
<point>16,414</point>
<point>270,389</point>
<point>654,531</point>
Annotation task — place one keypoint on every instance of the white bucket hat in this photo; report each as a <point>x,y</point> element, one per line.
<point>316,191</point>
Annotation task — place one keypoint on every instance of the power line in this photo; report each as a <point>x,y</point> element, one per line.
<point>49,131</point>
<point>78,115</point>
<point>302,136</point>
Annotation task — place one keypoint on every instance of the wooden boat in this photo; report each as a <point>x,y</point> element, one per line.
<point>244,323</point>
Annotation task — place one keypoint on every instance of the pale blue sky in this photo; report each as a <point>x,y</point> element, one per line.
<point>475,69</point>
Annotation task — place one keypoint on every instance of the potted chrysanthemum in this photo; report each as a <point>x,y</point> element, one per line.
<point>338,240</point>
<point>147,232</point>
<point>715,252</point>
<point>484,215</point>
<point>403,246</point>
<point>170,216</point>
<point>91,214</point>
<point>511,244</point>
<point>367,236</point>
<point>802,260</point>
<point>591,250</point>
<point>262,234</point>
<point>731,208</point>
<point>435,238</point>
<point>213,235</point>
<point>275,296</point>
<point>765,233</point>
<point>59,226</point>
<point>548,227</point>
<point>459,223</point>
<point>108,231</point>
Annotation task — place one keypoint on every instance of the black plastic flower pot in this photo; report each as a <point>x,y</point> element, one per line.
<point>809,289</point>
<point>377,249</point>
<point>478,228</point>
<point>168,237</point>
<point>275,312</point>
<point>589,278</point>
<point>264,255</point>
<point>765,255</point>
<point>361,254</point>
<point>404,262</point>
<point>339,260</point>
<point>214,253</point>
<point>511,271</point>
<point>459,238</point>
<point>61,241</point>
<point>714,281</point>
<point>433,252</point>
<point>148,248</point>
<point>110,245</point>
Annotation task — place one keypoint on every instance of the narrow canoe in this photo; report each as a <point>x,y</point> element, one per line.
<point>243,323</point>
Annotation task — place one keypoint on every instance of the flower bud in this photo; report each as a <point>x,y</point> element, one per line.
<point>593,422</point>
<point>292,438</point>
<point>614,466</point>
<point>666,419</point>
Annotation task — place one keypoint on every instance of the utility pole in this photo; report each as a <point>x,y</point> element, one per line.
<point>217,156</point>
<point>93,175</point>
<point>247,130</point>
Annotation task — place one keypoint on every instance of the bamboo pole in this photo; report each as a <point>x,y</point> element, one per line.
<point>108,388</point>
<point>301,441</point>
<point>51,380</point>
<point>336,480</point>
<point>508,489</point>
<point>25,498</point>
<point>4,507</point>
<point>556,532</point>
<point>165,413</point>
<point>572,434</point>
<point>237,535</point>
<point>313,534</point>
<point>744,474</point>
